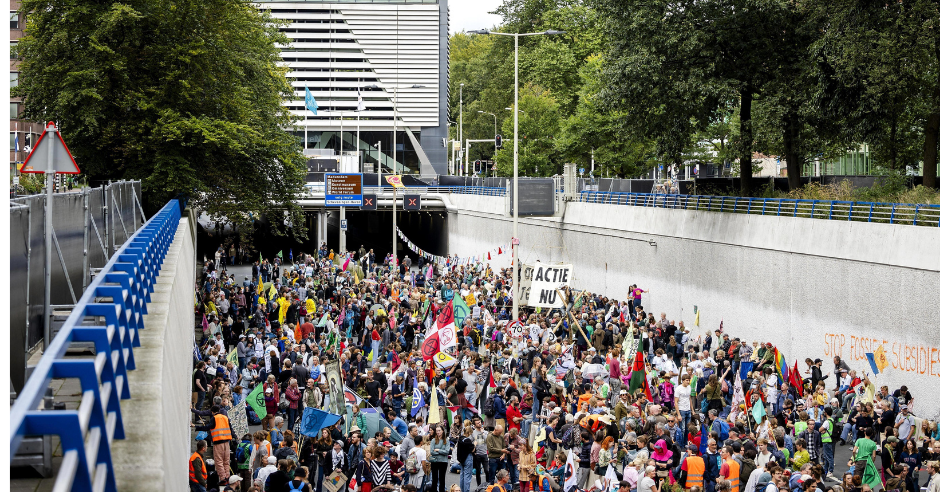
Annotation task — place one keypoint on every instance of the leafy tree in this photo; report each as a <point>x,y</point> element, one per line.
<point>184,95</point>
<point>539,125</point>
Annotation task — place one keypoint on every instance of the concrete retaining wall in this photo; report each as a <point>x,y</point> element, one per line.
<point>815,288</point>
<point>154,455</point>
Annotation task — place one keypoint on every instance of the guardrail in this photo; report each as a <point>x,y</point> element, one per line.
<point>110,315</point>
<point>886,213</point>
<point>422,190</point>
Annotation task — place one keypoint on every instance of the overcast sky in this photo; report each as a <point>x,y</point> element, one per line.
<point>472,14</point>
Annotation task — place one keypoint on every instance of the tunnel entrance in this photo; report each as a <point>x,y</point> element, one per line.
<point>373,230</point>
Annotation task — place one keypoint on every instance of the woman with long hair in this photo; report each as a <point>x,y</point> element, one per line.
<point>440,449</point>
<point>527,463</point>
<point>364,471</point>
<point>380,467</point>
<point>608,455</point>
<point>322,449</point>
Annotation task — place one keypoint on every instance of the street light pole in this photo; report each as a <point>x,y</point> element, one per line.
<point>461,133</point>
<point>515,163</point>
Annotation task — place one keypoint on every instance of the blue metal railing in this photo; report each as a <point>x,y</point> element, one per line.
<point>886,213</point>
<point>109,314</point>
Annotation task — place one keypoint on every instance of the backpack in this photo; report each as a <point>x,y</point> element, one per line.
<point>243,453</point>
<point>569,440</point>
<point>489,406</point>
<point>411,465</point>
<point>722,429</point>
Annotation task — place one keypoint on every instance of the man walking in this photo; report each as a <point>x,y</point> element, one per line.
<point>221,433</point>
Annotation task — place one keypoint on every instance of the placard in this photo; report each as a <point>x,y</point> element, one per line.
<point>546,281</point>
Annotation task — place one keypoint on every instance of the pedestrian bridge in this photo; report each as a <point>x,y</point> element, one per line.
<point>128,429</point>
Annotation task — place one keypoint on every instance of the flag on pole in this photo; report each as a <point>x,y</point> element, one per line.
<point>782,370</point>
<point>697,314</point>
<point>738,397</point>
<point>310,102</point>
<point>233,357</point>
<point>758,411</point>
<point>280,254</point>
<point>417,399</point>
<point>492,381</point>
<point>461,310</point>
<point>871,362</point>
<point>450,414</point>
<point>571,476</point>
<point>196,354</point>
<point>361,106</point>
<point>238,420</point>
<point>291,251</point>
<point>205,324</point>
<point>434,411</point>
<point>638,379</point>
<point>795,379</point>
<point>256,400</point>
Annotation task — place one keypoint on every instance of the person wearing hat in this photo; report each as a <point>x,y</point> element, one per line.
<point>234,484</point>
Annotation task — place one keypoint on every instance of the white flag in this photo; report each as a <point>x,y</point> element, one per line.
<point>238,420</point>
<point>361,106</point>
<point>571,475</point>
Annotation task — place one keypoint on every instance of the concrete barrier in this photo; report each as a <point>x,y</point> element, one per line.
<point>154,455</point>
<point>814,288</point>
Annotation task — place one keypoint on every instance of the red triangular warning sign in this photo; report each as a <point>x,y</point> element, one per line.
<point>50,154</point>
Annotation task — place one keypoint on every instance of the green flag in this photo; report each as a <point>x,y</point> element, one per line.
<point>758,411</point>
<point>280,254</point>
<point>233,358</point>
<point>461,310</point>
<point>256,400</point>
<point>424,309</point>
<point>260,258</point>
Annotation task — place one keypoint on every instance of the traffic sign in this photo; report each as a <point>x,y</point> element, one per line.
<point>369,202</point>
<point>412,202</point>
<point>343,225</point>
<point>343,190</point>
<point>50,154</point>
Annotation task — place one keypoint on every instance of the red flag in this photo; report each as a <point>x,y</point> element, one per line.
<point>492,381</point>
<point>431,345</point>
<point>488,257</point>
<point>446,315</point>
<point>795,379</point>
<point>500,251</point>
<point>205,324</point>
<point>638,377</point>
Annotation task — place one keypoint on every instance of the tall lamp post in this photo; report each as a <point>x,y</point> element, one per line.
<point>515,162</point>
<point>394,168</point>
<point>495,132</point>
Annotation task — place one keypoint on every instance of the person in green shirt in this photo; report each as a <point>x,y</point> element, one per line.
<point>801,455</point>
<point>864,456</point>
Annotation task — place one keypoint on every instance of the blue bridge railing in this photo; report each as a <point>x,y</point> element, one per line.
<point>110,315</point>
<point>886,213</point>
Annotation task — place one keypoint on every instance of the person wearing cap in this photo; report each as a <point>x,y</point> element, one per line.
<point>234,484</point>
<point>904,423</point>
<point>241,351</point>
<point>694,468</point>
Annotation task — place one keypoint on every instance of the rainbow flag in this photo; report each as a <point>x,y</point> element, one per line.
<point>782,370</point>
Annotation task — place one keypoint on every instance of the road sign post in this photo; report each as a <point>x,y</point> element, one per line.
<point>49,156</point>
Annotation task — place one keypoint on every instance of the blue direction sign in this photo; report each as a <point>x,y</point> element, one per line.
<point>343,189</point>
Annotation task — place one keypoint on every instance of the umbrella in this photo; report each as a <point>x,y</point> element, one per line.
<point>591,371</point>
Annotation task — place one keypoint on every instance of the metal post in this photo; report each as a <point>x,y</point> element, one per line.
<point>342,233</point>
<point>395,133</point>
<point>515,189</point>
<point>85,239</point>
<point>460,171</point>
<point>395,230</point>
<point>47,263</point>
<point>380,165</point>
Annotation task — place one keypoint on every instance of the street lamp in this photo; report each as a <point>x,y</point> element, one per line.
<point>394,168</point>
<point>515,162</point>
<point>495,132</point>
<point>462,151</point>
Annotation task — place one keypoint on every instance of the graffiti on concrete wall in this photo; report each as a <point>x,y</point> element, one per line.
<point>918,358</point>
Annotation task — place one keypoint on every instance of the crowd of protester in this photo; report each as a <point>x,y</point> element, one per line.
<point>602,394</point>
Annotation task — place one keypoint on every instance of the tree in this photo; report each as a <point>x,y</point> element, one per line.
<point>185,96</point>
<point>877,68</point>
<point>539,125</point>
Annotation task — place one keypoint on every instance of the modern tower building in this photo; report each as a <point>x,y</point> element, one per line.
<point>386,58</point>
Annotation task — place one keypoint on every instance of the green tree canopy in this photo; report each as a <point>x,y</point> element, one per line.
<point>184,95</point>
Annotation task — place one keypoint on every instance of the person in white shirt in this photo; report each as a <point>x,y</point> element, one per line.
<point>764,455</point>
<point>904,423</point>
<point>683,394</point>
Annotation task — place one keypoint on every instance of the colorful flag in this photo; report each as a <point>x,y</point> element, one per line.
<point>872,363</point>
<point>310,102</point>
<point>460,310</point>
<point>346,264</point>
<point>431,345</point>
<point>256,400</point>
<point>417,399</point>
<point>638,378</point>
<point>238,420</point>
<point>782,369</point>
<point>746,367</point>
<point>205,324</point>
<point>758,411</point>
<point>881,358</point>
<point>738,397</point>
<point>315,420</point>
<point>795,379</point>
<point>280,254</point>
<point>444,360</point>
<point>233,358</point>
<point>450,414</point>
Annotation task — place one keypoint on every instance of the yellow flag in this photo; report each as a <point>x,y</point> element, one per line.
<point>434,412</point>
<point>260,288</point>
<point>311,307</point>
<point>697,313</point>
<point>282,314</point>
<point>356,276</point>
<point>272,291</point>
<point>881,358</point>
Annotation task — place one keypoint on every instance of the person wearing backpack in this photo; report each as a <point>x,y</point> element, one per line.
<point>243,458</point>
<point>299,483</point>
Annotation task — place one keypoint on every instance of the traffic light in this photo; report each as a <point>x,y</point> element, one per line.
<point>477,165</point>
<point>499,141</point>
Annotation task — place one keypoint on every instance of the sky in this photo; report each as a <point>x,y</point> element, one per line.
<point>466,15</point>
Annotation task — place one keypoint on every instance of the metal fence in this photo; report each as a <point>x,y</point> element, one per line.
<point>109,314</point>
<point>885,213</point>
<point>88,226</point>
